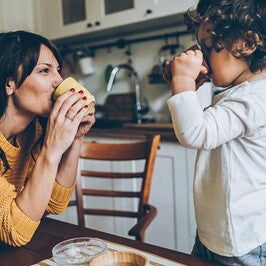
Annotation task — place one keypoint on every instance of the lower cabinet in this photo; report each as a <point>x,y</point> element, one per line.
<point>171,193</point>
<point>174,226</point>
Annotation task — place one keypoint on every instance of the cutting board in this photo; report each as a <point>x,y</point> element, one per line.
<point>120,107</point>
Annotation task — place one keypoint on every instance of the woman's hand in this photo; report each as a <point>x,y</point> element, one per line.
<point>86,124</point>
<point>67,121</point>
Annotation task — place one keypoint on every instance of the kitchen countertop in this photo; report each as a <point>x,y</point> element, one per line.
<point>138,131</point>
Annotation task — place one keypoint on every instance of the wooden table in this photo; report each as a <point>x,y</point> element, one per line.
<point>51,232</point>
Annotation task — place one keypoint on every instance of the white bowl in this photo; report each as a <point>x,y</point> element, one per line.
<point>78,251</point>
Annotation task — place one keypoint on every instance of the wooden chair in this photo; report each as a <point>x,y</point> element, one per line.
<point>144,150</point>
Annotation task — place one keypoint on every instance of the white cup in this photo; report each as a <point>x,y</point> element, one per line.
<point>86,65</point>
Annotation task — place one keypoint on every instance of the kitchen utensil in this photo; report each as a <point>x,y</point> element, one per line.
<point>86,65</point>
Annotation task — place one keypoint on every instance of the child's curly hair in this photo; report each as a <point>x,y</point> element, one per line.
<point>232,21</point>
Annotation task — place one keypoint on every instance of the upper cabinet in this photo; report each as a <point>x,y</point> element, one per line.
<point>58,19</point>
<point>161,8</point>
<point>16,15</point>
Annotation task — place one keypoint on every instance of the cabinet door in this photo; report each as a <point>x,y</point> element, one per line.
<point>133,11</point>
<point>122,12</point>
<point>160,8</point>
<point>63,18</point>
<point>171,193</point>
<point>162,231</point>
<point>16,15</point>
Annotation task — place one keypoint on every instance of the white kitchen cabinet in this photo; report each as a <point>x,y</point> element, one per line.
<point>64,18</point>
<point>171,192</point>
<point>161,8</point>
<point>16,15</point>
<point>57,19</point>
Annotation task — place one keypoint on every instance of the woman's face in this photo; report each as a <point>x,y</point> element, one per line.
<point>34,96</point>
<point>226,70</point>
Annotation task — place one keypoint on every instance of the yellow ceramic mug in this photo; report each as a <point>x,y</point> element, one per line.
<point>69,83</point>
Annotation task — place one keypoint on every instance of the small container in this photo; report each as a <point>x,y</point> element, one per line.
<point>86,65</point>
<point>78,251</point>
<point>120,258</point>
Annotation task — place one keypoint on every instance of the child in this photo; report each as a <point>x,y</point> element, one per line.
<point>230,135</point>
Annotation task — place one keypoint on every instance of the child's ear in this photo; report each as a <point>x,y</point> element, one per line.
<point>248,45</point>
<point>252,40</point>
<point>10,86</point>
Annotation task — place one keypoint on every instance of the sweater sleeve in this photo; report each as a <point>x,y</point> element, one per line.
<point>59,199</point>
<point>186,115</point>
<point>16,228</point>
<point>238,112</point>
<point>208,129</point>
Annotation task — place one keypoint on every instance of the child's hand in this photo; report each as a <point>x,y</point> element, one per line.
<point>185,69</point>
<point>167,75</point>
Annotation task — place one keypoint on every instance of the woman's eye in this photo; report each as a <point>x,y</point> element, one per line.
<point>45,70</point>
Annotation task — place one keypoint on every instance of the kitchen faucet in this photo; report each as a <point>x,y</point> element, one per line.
<point>110,84</point>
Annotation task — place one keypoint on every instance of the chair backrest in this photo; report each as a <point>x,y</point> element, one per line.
<point>142,151</point>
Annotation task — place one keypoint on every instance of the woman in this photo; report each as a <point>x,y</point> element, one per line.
<point>40,139</point>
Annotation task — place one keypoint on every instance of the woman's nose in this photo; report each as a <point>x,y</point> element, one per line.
<point>58,80</point>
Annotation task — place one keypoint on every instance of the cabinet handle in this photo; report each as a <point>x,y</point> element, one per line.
<point>149,11</point>
<point>97,23</point>
<point>89,25</point>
